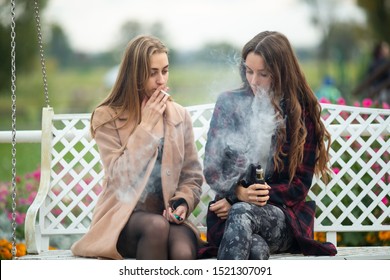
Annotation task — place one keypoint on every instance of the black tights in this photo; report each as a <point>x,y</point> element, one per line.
<point>149,236</point>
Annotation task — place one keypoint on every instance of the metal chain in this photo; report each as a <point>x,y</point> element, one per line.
<point>13,116</point>
<point>43,62</point>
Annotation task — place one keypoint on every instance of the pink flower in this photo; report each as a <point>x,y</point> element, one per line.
<point>385,200</point>
<point>385,105</point>
<point>356,104</point>
<point>23,201</point>
<point>367,102</point>
<point>19,217</point>
<point>341,101</point>
<point>78,189</point>
<point>324,100</point>
<point>37,175</point>
<point>336,170</point>
<point>3,194</point>
<point>29,187</point>
<point>56,212</point>
<point>87,180</point>
<point>31,197</point>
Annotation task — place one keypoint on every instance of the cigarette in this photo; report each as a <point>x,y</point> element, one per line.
<point>166,93</point>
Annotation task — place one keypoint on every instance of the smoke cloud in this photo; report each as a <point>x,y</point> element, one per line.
<point>251,144</point>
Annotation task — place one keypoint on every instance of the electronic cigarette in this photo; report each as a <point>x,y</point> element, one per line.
<point>177,217</point>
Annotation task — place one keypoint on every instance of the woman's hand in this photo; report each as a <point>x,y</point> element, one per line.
<point>221,208</point>
<point>176,216</point>
<point>153,108</point>
<point>256,194</point>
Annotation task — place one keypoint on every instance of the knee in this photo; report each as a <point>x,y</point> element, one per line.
<point>240,213</point>
<point>259,249</point>
<point>158,227</point>
<point>183,253</point>
<point>238,208</point>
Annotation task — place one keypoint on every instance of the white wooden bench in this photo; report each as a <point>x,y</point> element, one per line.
<point>353,201</point>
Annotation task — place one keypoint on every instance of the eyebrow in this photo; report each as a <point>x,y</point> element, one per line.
<point>260,70</point>
<point>162,68</point>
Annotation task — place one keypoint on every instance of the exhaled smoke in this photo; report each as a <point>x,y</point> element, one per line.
<point>253,142</point>
<point>262,125</point>
<point>129,173</point>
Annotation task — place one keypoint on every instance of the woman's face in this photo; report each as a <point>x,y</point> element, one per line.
<point>159,72</point>
<point>256,74</point>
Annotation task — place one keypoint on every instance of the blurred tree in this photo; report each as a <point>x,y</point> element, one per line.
<point>378,17</point>
<point>132,28</point>
<point>322,16</point>
<point>26,39</point>
<point>129,30</point>
<point>157,29</point>
<point>341,32</point>
<point>336,31</point>
<point>59,46</point>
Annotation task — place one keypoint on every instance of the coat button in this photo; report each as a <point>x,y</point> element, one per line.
<point>284,206</point>
<point>168,172</point>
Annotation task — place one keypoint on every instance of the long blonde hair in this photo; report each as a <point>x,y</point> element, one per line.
<point>290,86</point>
<point>129,89</point>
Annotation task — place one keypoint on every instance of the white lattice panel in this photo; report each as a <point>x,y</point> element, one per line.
<point>75,178</point>
<point>357,197</point>
<point>201,116</point>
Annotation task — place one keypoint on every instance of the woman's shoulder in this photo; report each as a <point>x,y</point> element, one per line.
<point>101,115</point>
<point>235,94</point>
<point>231,99</point>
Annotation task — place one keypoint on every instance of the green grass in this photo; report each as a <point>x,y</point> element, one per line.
<point>27,160</point>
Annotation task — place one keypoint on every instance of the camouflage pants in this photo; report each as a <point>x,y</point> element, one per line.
<point>254,232</point>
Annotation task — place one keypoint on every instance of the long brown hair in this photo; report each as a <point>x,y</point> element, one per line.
<point>129,88</point>
<point>290,87</point>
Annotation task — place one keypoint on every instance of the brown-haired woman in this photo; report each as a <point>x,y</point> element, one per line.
<point>273,120</point>
<point>152,174</point>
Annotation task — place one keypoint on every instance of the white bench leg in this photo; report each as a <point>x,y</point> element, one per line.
<point>331,236</point>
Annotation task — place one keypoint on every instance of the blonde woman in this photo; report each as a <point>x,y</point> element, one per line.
<point>152,174</point>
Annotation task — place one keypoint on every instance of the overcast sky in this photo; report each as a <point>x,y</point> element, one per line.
<point>94,25</point>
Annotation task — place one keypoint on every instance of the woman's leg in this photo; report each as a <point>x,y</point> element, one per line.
<point>246,219</point>
<point>259,249</point>
<point>182,243</point>
<point>145,237</point>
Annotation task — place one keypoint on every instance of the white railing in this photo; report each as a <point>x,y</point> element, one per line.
<point>22,136</point>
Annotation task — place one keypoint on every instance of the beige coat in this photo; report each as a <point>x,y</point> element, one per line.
<point>128,162</point>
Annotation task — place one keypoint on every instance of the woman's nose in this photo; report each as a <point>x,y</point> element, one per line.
<point>255,80</point>
<point>161,79</point>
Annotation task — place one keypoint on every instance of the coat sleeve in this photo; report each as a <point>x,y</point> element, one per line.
<point>118,162</point>
<point>285,193</point>
<point>191,178</point>
<point>221,172</point>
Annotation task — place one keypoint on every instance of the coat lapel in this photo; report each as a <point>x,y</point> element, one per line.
<point>173,156</point>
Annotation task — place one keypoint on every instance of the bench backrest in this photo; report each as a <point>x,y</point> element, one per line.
<point>356,198</point>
